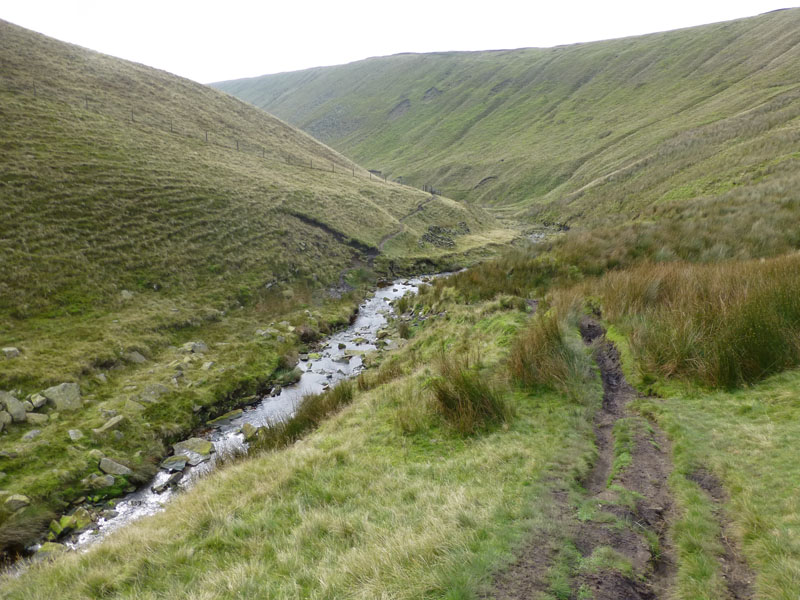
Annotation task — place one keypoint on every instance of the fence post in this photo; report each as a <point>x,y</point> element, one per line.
<point>206,136</point>
<point>354,171</point>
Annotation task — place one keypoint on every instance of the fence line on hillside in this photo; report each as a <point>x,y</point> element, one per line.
<point>165,124</point>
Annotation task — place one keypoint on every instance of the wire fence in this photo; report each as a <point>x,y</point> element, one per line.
<point>228,139</point>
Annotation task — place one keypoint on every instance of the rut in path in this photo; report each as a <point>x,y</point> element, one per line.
<point>623,514</point>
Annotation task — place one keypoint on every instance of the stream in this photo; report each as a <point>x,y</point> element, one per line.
<point>339,359</point>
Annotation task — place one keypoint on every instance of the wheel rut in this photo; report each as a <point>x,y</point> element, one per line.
<point>613,536</point>
<point>627,506</point>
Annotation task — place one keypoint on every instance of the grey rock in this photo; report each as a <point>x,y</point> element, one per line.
<point>175,463</point>
<point>110,425</point>
<point>37,419</point>
<point>66,396</point>
<point>207,365</point>
<point>196,449</point>
<point>134,357</point>
<point>75,434</point>
<point>132,407</point>
<point>31,435</point>
<point>96,454</point>
<point>96,481</point>
<point>13,406</point>
<point>197,347</point>
<point>28,406</point>
<point>5,419</point>
<point>16,501</point>
<point>171,481</point>
<point>126,295</point>
<point>11,352</point>
<point>112,467</point>
<point>101,377</point>
<point>38,400</point>
<point>153,392</point>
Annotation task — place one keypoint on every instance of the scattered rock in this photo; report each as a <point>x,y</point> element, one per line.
<point>5,419</point>
<point>382,334</point>
<point>171,481</point>
<point>303,356</point>
<point>110,425</point>
<point>197,347</point>
<point>100,481</point>
<point>226,417</point>
<point>342,346</point>
<point>13,407</point>
<point>96,454</point>
<point>153,392</point>
<point>250,432</point>
<point>196,449</point>
<point>126,295</point>
<point>207,365</point>
<point>37,400</point>
<point>16,502</point>
<point>31,435</point>
<point>113,467</point>
<point>75,434</point>
<point>314,356</point>
<point>132,406</point>
<point>27,406</point>
<point>37,419</point>
<point>101,377</point>
<point>10,352</point>
<point>134,357</point>
<point>175,463</point>
<point>66,396</point>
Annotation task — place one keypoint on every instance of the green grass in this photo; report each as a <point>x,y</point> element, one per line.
<point>585,134</point>
<point>744,438</point>
<point>206,242</point>
<point>723,325</point>
<point>383,499</point>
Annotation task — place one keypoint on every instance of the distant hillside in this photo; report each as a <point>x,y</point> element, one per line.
<point>108,183</point>
<point>569,133</point>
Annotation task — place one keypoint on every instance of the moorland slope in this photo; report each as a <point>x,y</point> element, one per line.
<point>578,134</point>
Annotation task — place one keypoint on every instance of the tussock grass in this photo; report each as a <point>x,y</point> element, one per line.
<point>465,395</point>
<point>724,325</point>
<point>312,411</point>
<point>384,499</point>
<point>542,356</point>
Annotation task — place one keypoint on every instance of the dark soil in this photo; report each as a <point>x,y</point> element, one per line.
<point>625,520</point>
<point>738,575</point>
<point>527,576</point>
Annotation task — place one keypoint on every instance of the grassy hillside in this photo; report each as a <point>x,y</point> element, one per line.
<point>142,211</point>
<point>572,133</point>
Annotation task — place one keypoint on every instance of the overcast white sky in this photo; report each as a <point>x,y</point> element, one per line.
<point>214,41</point>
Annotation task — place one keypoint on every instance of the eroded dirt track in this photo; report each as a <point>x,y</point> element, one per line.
<point>614,536</point>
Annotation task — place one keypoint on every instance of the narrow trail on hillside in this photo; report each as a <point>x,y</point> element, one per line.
<point>622,518</point>
<point>390,236</point>
<point>628,487</point>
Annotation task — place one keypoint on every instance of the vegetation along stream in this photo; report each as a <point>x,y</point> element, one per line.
<point>340,357</point>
